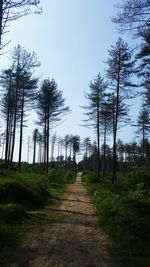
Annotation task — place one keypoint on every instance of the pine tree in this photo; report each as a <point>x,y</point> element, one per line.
<point>120,68</point>
<point>50,108</point>
<point>92,111</point>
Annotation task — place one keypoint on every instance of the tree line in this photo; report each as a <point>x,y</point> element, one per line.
<point>108,99</point>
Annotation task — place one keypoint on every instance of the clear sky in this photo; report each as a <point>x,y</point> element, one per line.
<point>71,39</point>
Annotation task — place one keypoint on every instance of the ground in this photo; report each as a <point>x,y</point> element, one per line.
<point>73,240</point>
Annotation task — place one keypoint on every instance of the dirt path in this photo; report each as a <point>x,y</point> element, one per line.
<point>75,240</point>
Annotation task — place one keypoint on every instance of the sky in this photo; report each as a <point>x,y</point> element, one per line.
<point>71,39</point>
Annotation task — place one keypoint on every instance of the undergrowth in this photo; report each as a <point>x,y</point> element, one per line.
<point>123,211</point>
<point>21,193</point>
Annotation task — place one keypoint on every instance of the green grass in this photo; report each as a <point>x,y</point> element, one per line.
<point>123,211</point>
<point>19,194</point>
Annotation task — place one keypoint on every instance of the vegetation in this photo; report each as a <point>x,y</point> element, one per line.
<point>21,193</point>
<point>123,212</point>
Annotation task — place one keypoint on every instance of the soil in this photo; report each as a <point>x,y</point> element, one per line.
<point>72,239</point>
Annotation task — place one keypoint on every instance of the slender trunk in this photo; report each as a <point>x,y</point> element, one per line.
<point>47,159</point>
<point>34,153</point>
<point>15,117</point>
<point>104,155</point>
<point>45,142</point>
<point>14,135</point>
<point>7,129</point>
<point>114,176</point>
<point>143,146</point>
<point>21,131</point>
<point>98,146</point>
<point>3,147</point>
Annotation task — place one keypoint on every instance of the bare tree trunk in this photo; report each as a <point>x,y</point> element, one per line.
<point>34,153</point>
<point>98,146</point>
<point>21,131</point>
<point>47,159</point>
<point>104,156</point>
<point>114,176</point>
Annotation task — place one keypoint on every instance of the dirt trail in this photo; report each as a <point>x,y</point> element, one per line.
<point>74,241</point>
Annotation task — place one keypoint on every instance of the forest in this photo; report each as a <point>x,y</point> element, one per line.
<point>115,173</point>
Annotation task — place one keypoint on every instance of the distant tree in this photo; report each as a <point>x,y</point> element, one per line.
<point>35,139</point>
<point>75,146</point>
<point>28,148</point>
<point>92,111</point>
<point>120,68</point>
<point>50,108</point>
<point>87,147</point>
<point>14,9</point>
<point>53,141</point>
<point>66,144</point>
<point>143,125</point>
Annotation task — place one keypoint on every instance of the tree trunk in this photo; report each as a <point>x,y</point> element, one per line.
<point>104,156</point>
<point>114,176</point>
<point>21,131</point>
<point>98,146</point>
<point>34,153</point>
<point>47,148</point>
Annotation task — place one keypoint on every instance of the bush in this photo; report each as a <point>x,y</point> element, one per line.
<point>138,177</point>
<point>89,177</point>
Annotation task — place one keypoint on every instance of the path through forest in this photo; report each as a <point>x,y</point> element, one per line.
<point>74,239</point>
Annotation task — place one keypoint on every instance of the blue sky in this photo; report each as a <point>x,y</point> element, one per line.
<point>71,39</point>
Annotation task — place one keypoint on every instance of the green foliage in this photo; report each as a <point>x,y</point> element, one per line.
<point>20,192</point>
<point>138,177</point>
<point>90,176</point>
<point>123,210</point>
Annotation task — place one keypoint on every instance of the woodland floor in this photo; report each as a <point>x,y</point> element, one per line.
<point>69,236</point>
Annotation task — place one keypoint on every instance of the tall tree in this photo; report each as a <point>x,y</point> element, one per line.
<point>120,68</point>
<point>24,64</point>
<point>92,111</point>
<point>87,146</point>
<point>50,108</point>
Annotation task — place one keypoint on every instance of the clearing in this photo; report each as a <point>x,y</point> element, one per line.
<point>69,236</point>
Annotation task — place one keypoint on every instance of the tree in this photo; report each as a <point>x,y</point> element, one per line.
<point>53,141</point>
<point>120,68</point>
<point>95,99</point>
<point>50,108</point>
<point>35,139</point>
<point>14,9</point>
<point>106,118</point>
<point>143,129</point>
<point>143,70</point>
<point>7,109</point>
<point>20,88</point>
<point>134,15</point>
<point>75,146</point>
<point>24,64</point>
<point>87,146</point>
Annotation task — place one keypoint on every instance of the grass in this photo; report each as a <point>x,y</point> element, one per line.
<point>21,193</point>
<point>123,211</point>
